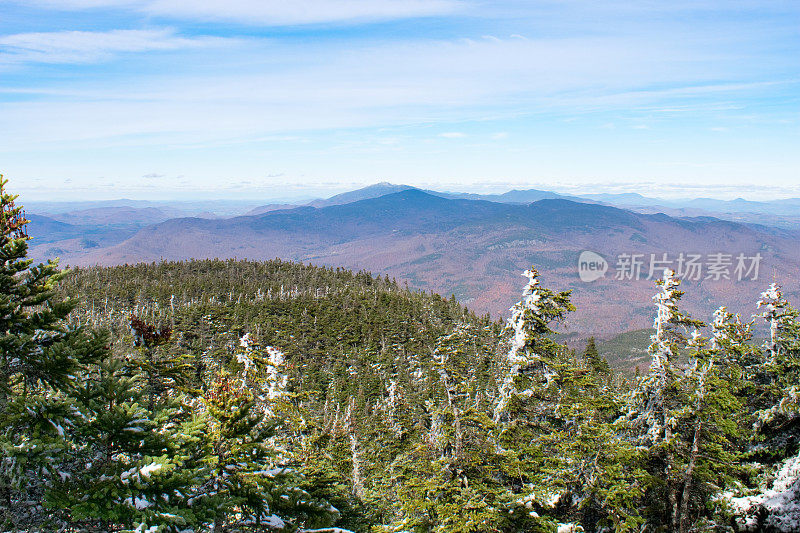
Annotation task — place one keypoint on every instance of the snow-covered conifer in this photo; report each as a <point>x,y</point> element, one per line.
<point>535,400</point>
<point>533,352</point>
<point>778,314</point>
<point>657,396</point>
<point>774,503</point>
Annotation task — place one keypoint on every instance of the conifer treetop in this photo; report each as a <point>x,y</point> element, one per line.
<point>12,218</point>
<point>666,300</point>
<point>669,324</point>
<point>264,368</point>
<point>723,325</point>
<point>529,324</point>
<point>532,316</point>
<point>531,296</point>
<point>778,313</point>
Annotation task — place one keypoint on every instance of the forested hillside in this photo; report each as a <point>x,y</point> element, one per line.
<point>273,396</point>
<point>474,249</point>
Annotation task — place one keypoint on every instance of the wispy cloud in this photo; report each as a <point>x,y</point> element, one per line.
<point>325,87</point>
<point>89,46</point>
<point>272,12</point>
<point>453,135</point>
<point>310,82</point>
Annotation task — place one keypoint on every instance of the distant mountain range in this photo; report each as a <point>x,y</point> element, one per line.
<point>381,189</point>
<point>779,213</point>
<point>474,246</point>
<point>788,206</point>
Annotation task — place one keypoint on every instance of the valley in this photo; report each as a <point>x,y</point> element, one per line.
<point>472,248</point>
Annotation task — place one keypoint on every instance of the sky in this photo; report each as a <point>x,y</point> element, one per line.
<point>267,99</point>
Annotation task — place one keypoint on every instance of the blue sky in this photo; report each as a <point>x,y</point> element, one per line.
<point>274,99</point>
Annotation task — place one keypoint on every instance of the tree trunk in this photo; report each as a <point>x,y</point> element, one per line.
<point>456,414</point>
<point>673,502</point>
<point>672,489</point>
<point>358,482</point>
<point>687,484</point>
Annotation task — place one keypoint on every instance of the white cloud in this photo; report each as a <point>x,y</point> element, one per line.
<point>273,12</point>
<point>453,135</point>
<point>556,68</point>
<point>275,90</point>
<point>499,135</point>
<point>88,46</point>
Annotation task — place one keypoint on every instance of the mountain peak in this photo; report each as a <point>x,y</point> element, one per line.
<point>365,193</point>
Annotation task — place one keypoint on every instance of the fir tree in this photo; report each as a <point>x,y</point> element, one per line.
<point>236,490</point>
<point>165,374</point>
<point>594,360</point>
<point>121,473</point>
<point>771,504</point>
<point>533,404</point>
<point>657,399</point>
<point>450,480</point>
<point>534,354</point>
<point>602,480</point>
<point>709,428</point>
<point>685,415</point>
<point>251,482</point>
<point>40,360</point>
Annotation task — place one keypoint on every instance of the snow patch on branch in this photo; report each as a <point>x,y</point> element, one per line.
<point>518,357</point>
<point>775,313</point>
<point>666,313</point>
<point>276,379</point>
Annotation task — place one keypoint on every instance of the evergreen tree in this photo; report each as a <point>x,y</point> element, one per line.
<point>236,491</point>
<point>594,360</point>
<point>40,359</point>
<point>124,471</point>
<point>709,426</point>
<point>687,416</point>
<point>450,480</point>
<point>602,480</point>
<point>657,399</point>
<point>772,502</point>
<point>533,404</point>
<point>534,355</point>
<point>165,374</point>
<point>250,481</point>
<point>324,481</point>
